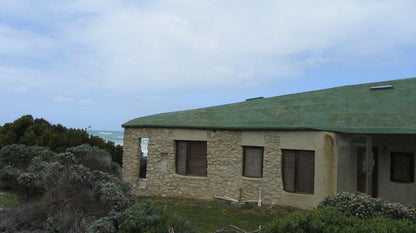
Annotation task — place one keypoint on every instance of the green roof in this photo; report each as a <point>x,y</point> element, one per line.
<point>383,107</point>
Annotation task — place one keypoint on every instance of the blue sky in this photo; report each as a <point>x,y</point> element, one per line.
<point>102,62</point>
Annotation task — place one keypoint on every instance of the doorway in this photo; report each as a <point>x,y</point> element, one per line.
<point>361,170</point>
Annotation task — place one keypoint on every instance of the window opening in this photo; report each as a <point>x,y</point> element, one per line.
<point>191,158</point>
<point>143,144</point>
<point>298,168</point>
<point>253,161</point>
<point>402,167</point>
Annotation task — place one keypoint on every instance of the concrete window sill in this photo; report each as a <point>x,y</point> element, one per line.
<point>252,178</point>
<point>191,177</point>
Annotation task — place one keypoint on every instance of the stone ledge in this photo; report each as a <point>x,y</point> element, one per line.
<point>252,178</point>
<point>190,177</point>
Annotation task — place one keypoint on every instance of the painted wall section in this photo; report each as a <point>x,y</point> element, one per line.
<point>387,189</point>
<point>325,166</point>
<point>347,146</point>
<point>346,164</point>
<point>225,164</point>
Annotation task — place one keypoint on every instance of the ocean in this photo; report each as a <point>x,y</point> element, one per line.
<point>117,138</point>
<point>114,136</point>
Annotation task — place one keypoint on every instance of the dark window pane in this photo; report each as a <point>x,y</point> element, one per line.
<point>402,167</point>
<point>288,170</point>
<point>191,158</point>
<point>197,158</point>
<point>298,171</point>
<point>305,168</point>
<point>253,162</point>
<point>181,150</point>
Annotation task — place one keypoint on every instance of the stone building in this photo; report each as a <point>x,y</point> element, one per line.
<point>291,150</point>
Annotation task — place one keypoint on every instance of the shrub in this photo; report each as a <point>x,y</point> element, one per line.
<point>71,194</point>
<point>14,161</point>
<point>20,156</point>
<point>8,177</point>
<point>147,218</point>
<point>141,218</point>
<point>364,206</point>
<point>95,159</point>
<point>29,131</point>
<point>102,225</point>
<point>113,196</point>
<point>329,219</point>
<point>29,185</point>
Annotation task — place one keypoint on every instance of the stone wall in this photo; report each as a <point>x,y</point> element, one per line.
<point>224,164</point>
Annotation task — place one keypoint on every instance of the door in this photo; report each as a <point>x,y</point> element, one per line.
<point>361,175</point>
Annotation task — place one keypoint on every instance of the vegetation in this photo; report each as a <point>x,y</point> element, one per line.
<point>363,206</point>
<point>29,131</point>
<point>78,190</point>
<point>349,212</point>
<point>8,200</point>
<point>142,218</point>
<point>209,216</point>
<point>329,219</point>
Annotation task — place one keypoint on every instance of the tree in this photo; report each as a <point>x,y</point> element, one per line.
<point>29,131</point>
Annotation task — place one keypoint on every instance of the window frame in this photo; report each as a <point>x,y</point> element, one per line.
<point>188,156</point>
<point>261,158</point>
<point>410,163</point>
<point>297,154</point>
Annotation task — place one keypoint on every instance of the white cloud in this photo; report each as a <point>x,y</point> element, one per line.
<point>179,45</point>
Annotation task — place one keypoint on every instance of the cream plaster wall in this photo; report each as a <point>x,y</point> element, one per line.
<point>346,164</point>
<point>325,165</point>
<point>386,189</point>
<point>224,164</point>
<point>390,190</point>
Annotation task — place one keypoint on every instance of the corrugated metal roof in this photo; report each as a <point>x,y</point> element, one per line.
<point>383,107</point>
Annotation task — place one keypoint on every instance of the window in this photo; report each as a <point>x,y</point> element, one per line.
<point>402,167</point>
<point>143,143</point>
<point>191,158</point>
<point>253,161</point>
<point>298,170</point>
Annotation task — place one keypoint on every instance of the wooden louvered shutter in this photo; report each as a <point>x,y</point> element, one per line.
<point>305,169</point>
<point>197,158</point>
<point>253,162</point>
<point>402,167</point>
<point>288,170</point>
<point>181,151</point>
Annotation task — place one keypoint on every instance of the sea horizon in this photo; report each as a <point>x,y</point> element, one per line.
<point>109,135</point>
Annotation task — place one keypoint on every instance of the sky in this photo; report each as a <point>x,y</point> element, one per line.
<point>101,63</point>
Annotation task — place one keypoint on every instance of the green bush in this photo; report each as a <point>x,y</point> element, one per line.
<point>147,218</point>
<point>363,206</point>
<point>95,159</point>
<point>20,156</point>
<point>29,131</point>
<point>330,220</point>
<point>113,196</point>
<point>16,160</point>
<point>102,225</point>
<point>72,195</point>
<point>73,192</point>
<point>141,218</point>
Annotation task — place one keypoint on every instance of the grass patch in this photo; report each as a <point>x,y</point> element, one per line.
<point>209,216</point>
<point>7,200</point>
